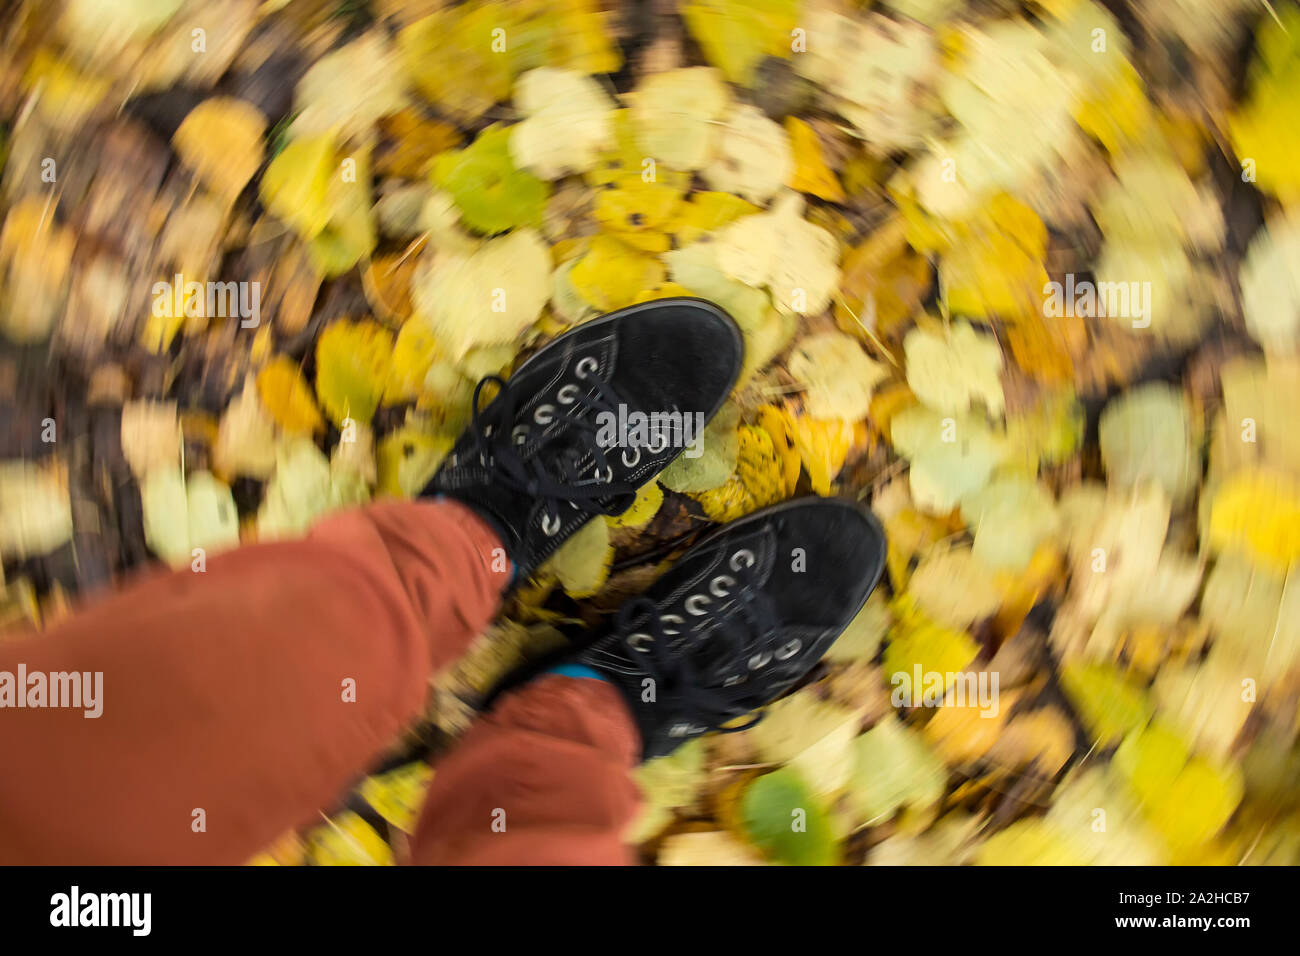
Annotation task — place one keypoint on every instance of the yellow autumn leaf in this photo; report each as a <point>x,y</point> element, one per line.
<point>667,784</point>
<point>994,264</point>
<point>35,265</point>
<point>347,90</point>
<point>779,249</point>
<point>823,445</point>
<point>1270,289</point>
<point>953,587</point>
<point>1010,518</point>
<point>287,396</point>
<point>638,213</point>
<point>966,730</point>
<point>813,736</point>
<point>407,458</point>
<point>1109,703</point>
<point>884,282</point>
<point>566,125</point>
<point>221,140</point>
<point>949,371</point>
<point>245,442</point>
<point>778,422</point>
<point>1187,797</point>
<point>893,768</point>
<point>582,563</point>
<point>296,185</point>
<point>35,509</point>
<point>450,58</point>
<point>348,840</point>
<point>869,70</point>
<point>641,511</point>
<point>1265,128</point>
<point>486,295</point>
<point>1031,842</point>
<point>759,478</point>
<point>352,369</point>
<point>735,36</point>
<point>916,642</point>
<point>837,375</point>
<point>952,457</point>
<point>753,159</point>
<point>612,274</point>
<point>68,95</point>
<point>414,353</point>
<point>674,116</point>
<point>1118,111</point>
<point>811,174</point>
<point>151,436</point>
<point>398,795</point>
<point>1257,511</point>
<point>705,212</point>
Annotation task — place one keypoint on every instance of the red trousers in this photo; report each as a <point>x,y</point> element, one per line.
<point>250,695</point>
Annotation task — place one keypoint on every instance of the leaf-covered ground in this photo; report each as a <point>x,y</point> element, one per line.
<point>1023,277</point>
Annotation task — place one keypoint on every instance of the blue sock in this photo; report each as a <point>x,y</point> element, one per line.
<point>578,670</point>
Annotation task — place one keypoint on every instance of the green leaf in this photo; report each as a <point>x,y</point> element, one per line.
<point>492,195</point>
<point>720,449</point>
<point>786,822</point>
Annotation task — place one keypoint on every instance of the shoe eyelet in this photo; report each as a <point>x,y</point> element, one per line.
<point>789,650</point>
<point>487,431</point>
<point>717,591</point>
<point>550,525</point>
<point>636,457</point>
<point>640,642</point>
<point>759,661</point>
<point>544,415</point>
<point>694,601</point>
<point>733,680</point>
<point>744,558</point>
<point>520,434</point>
<point>658,443</point>
<point>671,619</point>
<point>608,475</point>
<point>586,366</point>
<point>567,394</point>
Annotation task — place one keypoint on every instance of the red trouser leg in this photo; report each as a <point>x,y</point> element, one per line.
<point>226,691</point>
<point>542,779</point>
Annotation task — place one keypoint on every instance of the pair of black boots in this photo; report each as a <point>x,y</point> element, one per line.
<point>748,610</point>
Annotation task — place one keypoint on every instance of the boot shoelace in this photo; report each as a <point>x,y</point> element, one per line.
<point>577,430</point>
<point>698,669</point>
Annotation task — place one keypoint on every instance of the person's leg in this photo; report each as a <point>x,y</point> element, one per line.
<point>542,779</point>
<point>734,624</point>
<point>236,702</point>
